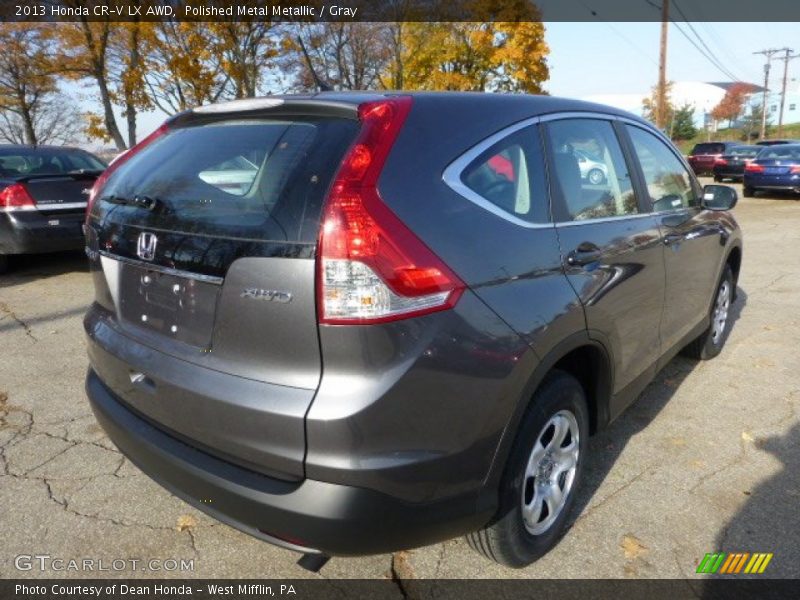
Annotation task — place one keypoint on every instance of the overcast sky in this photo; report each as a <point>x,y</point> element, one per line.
<point>619,58</point>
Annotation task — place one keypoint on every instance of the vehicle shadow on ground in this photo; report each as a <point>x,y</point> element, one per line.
<point>27,267</point>
<point>606,446</point>
<point>770,519</point>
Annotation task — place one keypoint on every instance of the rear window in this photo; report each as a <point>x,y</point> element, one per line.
<point>255,179</point>
<point>780,152</point>
<point>709,148</point>
<point>746,151</point>
<point>21,162</point>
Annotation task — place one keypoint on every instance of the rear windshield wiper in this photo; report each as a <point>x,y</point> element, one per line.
<point>142,201</point>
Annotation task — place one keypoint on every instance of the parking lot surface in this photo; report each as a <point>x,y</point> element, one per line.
<point>708,459</point>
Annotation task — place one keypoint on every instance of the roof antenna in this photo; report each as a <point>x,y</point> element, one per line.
<point>323,86</point>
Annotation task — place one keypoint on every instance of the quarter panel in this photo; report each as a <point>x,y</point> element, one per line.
<point>416,408</point>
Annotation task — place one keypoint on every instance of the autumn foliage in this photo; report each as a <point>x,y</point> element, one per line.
<point>137,66</point>
<point>731,106</point>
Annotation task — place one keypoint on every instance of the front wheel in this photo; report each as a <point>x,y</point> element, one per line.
<point>709,344</point>
<point>542,475</point>
<point>748,192</point>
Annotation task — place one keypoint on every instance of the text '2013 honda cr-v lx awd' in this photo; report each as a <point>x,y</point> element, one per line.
<point>354,323</point>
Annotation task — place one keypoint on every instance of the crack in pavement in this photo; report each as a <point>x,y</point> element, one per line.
<point>4,308</point>
<point>401,571</point>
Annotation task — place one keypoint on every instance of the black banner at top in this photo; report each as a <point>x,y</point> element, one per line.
<point>399,10</point>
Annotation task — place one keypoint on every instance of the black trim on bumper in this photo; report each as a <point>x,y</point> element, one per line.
<point>30,232</point>
<point>307,516</point>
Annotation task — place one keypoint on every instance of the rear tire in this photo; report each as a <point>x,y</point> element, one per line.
<point>3,263</point>
<point>748,192</point>
<point>717,179</point>
<point>541,477</point>
<point>709,343</point>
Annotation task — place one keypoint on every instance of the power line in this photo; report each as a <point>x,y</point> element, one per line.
<point>715,62</point>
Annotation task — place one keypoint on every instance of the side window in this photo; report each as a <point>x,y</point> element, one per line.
<point>669,184</point>
<point>509,175</point>
<point>589,174</point>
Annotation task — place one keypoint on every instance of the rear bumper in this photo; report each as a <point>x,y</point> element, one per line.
<point>305,516</point>
<point>728,172</point>
<point>30,232</point>
<point>773,182</point>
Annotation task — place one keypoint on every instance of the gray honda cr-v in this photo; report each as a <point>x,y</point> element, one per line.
<point>354,323</point>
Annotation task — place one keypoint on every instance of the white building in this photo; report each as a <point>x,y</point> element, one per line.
<point>704,96</point>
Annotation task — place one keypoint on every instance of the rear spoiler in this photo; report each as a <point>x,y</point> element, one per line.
<point>309,106</point>
<point>73,175</point>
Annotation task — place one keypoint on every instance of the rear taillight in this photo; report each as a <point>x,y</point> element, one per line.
<point>794,170</point>
<point>753,168</point>
<point>121,160</point>
<point>720,161</point>
<point>371,268</point>
<point>16,197</point>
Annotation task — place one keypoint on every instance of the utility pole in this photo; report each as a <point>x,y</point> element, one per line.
<point>786,58</point>
<point>661,93</point>
<point>768,53</point>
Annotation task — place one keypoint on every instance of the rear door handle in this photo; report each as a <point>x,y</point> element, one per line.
<point>673,238</point>
<point>584,254</point>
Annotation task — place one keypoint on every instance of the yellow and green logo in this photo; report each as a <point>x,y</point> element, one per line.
<point>734,563</point>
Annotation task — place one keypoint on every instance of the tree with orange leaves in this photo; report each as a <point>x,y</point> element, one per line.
<point>731,106</point>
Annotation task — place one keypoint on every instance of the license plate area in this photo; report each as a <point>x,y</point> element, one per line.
<point>775,170</point>
<point>181,308</point>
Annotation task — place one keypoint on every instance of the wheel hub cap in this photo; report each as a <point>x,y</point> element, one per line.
<point>550,472</point>
<point>720,316</point>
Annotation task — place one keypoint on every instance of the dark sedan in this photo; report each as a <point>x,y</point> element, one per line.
<point>43,194</point>
<point>775,168</point>
<point>731,165</point>
<point>703,156</point>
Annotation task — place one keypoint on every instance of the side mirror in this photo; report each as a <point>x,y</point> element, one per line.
<point>719,197</point>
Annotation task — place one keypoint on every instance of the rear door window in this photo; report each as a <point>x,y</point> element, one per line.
<point>591,178</point>
<point>245,179</point>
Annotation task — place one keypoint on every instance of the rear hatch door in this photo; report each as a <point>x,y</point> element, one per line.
<point>206,242</point>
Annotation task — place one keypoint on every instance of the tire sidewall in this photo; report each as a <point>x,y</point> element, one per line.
<point>559,392</point>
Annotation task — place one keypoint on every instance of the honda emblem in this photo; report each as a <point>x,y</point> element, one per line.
<point>146,246</point>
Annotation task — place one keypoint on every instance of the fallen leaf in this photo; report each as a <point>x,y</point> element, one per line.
<point>632,546</point>
<point>185,522</point>
<point>747,437</point>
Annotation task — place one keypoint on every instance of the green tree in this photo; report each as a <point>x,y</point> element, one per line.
<point>682,127</point>
<point>751,124</point>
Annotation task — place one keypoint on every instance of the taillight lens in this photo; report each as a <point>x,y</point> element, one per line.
<point>720,161</point>
<point>371,268</point>
<point>121,160</point>
<point>16,197</point>
<point>753,168</point>
<point>794,170</point>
